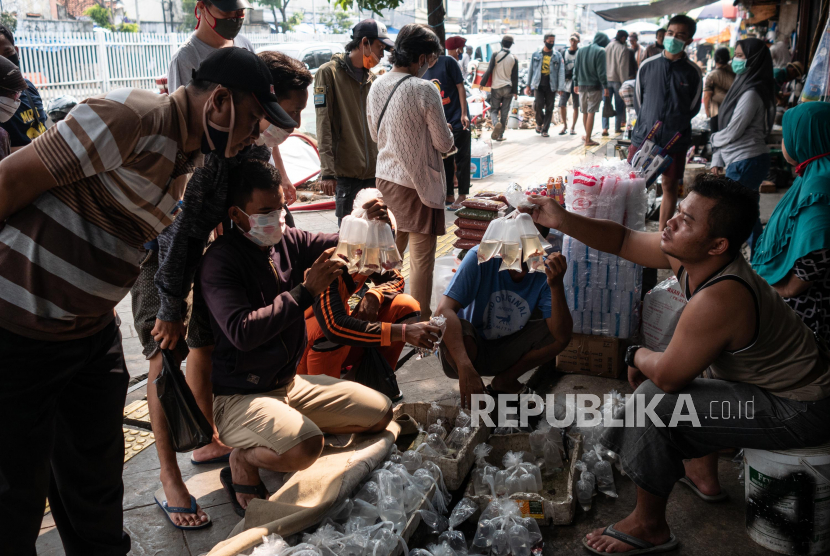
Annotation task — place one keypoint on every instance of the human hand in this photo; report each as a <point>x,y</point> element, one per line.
<point>167,333</point>
<point>555,267</point>
<point>465,121</point>
<point>715,170</point>
<point>422,335</point>
<point>576,90</point>
<point>368,308</point>
<point>323,272</point>
<point>547,212</point>
<point>469,382</point>
<point>635,377</point>
<point>290,193</point>
<point>527,91</point>
<point>515,96</point>
<point>376,210</point>
<point>328,186</point>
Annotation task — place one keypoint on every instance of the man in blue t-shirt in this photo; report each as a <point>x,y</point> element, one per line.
<point>502,324</point>
<point>446,75</point>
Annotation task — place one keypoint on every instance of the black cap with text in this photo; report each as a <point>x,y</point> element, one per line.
<point>372,29</point>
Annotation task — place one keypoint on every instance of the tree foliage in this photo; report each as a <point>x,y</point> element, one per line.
<point>128,28</point>
<point>338,21</point>
<point>375,6</point>
<point>190,21</point>
<point>100,16</point>
<point>9,20</point>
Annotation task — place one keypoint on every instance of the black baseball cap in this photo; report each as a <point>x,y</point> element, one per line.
<point>231,5</point>
<point>241,69</point>
<point>372,29</point>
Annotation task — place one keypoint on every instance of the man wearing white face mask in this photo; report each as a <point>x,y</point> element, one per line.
<point>163,300</point>
<point>258,279</point>
<point>11,85</point>
<point>78,204</point>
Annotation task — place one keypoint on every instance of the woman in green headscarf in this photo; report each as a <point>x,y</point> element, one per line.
<point>793,253</point>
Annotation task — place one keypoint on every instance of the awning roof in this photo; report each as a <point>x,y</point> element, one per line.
<point>655,9</point>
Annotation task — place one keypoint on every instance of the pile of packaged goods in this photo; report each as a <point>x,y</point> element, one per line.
<point>595,473</point>
<point>367,246</point>
<point>442,439</point>
<point>503,531</point>
<point>603,290</point>
<point>474,219</point>
<point>651,160</point>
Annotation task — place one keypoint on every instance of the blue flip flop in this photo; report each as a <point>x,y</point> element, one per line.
<point>221,459</point>
<point>182,510</point>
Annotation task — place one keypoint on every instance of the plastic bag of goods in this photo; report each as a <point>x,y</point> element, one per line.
<point>479,148</point>
<point>662,308</point>
<point>381,253</point>
<point>516,196</point>
<point>478,214</point>
<point>817,85</point>
<point>533,248</point>
<point>582,193</point>
<point>352,242</point>
<point>511,246</point>
<point>483,204</point>
<point>491,241</point>
<point>442,275</point>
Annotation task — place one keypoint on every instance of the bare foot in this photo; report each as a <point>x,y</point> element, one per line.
<point>213,450</point>
<point>591,143</point>
<point>656,535</point>
<point>702,477</point>
<point>243,473</point>
<point>177,496</point>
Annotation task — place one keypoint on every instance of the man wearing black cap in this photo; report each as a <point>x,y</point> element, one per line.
<point>218,25</point>
<point>78,204</point>
<point>347,153</point>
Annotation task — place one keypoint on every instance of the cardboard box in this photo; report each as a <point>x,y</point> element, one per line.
<point>481,166</point>
<point>454,469</point>
<point>594,355</point>
<point>556,507</point>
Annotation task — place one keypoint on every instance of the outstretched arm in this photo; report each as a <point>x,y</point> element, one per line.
<point>603,235</point>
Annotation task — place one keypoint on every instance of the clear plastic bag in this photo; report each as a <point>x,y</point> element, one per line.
<point>435,413</point>
<point>412,460</point>
<point>352,242</point>
<point>458,438</point>
<point>462,419</point>
<point>437,428</point>
<point>585,486</point>
<point>364,196</point>
<point>490,245</point>
<point>511,247</point>
<point>516,197</point>
<point>817,85</point>
<point>531,242</point>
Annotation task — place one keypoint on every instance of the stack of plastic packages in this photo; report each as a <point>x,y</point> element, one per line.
<point>504,532</point>
<point>603,290</point>
<point>442,439</point>
<point>367,246</point>
<point>474,219</point>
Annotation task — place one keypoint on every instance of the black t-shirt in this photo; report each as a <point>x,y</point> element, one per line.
<point>23,127</point>
<point>446,76</point>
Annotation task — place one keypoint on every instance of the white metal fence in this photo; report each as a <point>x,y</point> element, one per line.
<point>87,64</point>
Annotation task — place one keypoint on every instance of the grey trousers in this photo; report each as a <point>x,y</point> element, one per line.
<point>731,415</point>
<point>500,100</point>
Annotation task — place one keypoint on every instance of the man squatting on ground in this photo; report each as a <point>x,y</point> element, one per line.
<point>735,328</point>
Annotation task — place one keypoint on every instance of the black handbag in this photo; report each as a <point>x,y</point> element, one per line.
<point>607,108</point>
<point>374,371</point>
<point>188,426</point>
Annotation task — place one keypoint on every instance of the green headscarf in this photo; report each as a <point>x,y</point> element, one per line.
<point>801,221</point>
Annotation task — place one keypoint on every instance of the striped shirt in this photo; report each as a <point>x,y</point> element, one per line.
<point>68,258</point>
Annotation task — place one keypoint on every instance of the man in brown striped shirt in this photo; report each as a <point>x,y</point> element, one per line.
<point>75,208</point>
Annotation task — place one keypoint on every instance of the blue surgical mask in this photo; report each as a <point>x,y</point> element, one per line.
<point>738,65</point>
<point>673,45</point>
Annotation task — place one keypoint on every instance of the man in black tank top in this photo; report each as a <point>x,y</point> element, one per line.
<point>771,378</point>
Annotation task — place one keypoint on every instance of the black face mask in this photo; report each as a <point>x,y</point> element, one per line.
<point>14,59</point>
<point>549,45</point>
<point>229,28</point>
<point>220,142</point>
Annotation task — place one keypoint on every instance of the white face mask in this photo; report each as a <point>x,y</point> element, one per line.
<point>266,229</point>
<point>8,108</point>
<point>273,136</point>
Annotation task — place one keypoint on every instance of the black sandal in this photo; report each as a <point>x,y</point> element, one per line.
<point>232,489</point>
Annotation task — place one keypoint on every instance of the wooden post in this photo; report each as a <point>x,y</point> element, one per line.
<point>435,19</point>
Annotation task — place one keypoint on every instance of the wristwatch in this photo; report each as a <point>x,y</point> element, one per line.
<point>629,354</point>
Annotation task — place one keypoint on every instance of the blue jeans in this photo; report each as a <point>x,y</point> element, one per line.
<point>619,106</point>
<point>750,173</point>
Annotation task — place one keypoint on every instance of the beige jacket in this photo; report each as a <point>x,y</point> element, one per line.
<point>617,62</point>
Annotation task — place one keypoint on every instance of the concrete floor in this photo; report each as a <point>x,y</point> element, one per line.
<point>704,529</point>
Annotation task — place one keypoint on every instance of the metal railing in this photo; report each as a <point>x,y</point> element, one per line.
<point>88,64</point>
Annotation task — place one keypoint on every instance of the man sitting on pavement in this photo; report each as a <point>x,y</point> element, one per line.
<point>77,205</point>
<point>490,331</point>
<point>257,280</point>
<point>338,336</point>
<point>735,328</point>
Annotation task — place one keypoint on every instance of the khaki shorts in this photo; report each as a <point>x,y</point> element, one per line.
<point>281,419</point>
<point>589,100</point>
